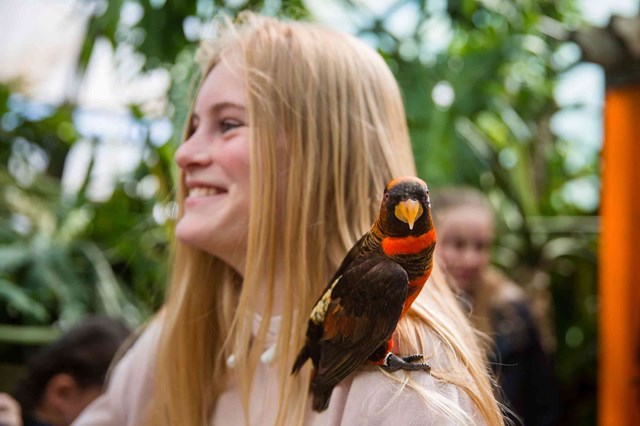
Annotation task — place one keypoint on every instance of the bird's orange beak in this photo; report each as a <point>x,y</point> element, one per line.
<point>409,211</point>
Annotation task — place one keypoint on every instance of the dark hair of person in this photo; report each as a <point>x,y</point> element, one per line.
<point>84,352</point>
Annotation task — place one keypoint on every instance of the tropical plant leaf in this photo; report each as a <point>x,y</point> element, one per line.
<point>20,301</point>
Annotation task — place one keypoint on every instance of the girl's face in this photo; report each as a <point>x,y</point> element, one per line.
<point>465,237</point>
<point>215,165</point>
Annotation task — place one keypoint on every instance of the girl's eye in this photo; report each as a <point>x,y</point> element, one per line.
<point>227,125</point>
<point>193,126</point>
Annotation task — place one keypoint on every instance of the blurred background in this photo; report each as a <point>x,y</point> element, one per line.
<point>93,95</point>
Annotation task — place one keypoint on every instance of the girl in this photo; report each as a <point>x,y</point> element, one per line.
<point>293,135</point>
<point>499,307</point>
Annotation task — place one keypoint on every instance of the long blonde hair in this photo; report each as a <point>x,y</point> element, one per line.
<point>334,105</point>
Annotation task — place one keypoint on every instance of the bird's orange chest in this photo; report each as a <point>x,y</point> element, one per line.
<point>408,245</point>
<point>411,246</point>
<point>415,286</point>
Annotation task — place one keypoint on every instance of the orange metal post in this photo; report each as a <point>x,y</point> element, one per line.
<point>619,281</point>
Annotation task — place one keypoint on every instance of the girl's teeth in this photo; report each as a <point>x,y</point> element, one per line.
<point>202,192</point>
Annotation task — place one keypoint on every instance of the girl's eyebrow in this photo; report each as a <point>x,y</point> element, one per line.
<point>217,107</point>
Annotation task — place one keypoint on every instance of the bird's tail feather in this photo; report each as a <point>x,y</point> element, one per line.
<point>303,356</point>
<point>321,399</point>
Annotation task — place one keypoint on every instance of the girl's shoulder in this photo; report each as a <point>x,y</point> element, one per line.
<point>372,397</point>
<point>129,383</point>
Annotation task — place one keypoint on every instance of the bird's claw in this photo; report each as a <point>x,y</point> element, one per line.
<point>394,363</point>
<point>411,358</point>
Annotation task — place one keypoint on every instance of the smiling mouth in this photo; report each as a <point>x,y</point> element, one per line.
<point>204,192</point>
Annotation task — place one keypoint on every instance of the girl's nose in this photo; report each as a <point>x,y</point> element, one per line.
<point>474,258</point>
<point>193,152</point>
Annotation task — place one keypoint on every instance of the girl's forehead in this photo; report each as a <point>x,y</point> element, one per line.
<point>465,217</point>
<point>223,84</point>
<point>467,210</point>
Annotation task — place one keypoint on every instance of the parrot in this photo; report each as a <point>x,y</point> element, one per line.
<point>357,313</point>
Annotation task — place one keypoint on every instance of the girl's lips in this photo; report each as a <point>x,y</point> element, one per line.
<point>465,276</point>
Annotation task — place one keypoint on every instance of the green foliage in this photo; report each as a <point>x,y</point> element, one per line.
<point>49,270</point>
<point>64,255</point>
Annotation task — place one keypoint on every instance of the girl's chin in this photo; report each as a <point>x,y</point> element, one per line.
<point>465,283</point>
<point>190,233</point>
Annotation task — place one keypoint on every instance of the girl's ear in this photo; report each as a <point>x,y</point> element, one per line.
<point>60,388</point>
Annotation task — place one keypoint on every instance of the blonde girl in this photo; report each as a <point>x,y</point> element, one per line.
<point>293,135</point>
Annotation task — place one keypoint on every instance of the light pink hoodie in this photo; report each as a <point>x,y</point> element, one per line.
<point>366,397</point>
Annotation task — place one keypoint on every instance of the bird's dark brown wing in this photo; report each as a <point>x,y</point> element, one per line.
<point>366,304</point>
<point>351,255</point>
<point>311,349</point>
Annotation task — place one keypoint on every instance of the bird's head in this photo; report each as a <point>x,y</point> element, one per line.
<point>406,208</point>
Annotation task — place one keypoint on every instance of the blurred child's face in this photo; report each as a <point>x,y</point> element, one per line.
<point>465,237</point>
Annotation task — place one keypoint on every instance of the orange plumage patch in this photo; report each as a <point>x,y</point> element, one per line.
<point>389,349</point>
<point>401,179</point>
<point>415,286</point>
<point>408,245</point>
<point>334,323</point>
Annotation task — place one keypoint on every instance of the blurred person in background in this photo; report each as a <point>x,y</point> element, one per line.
<point>65,376</point>
<point>498,307</point>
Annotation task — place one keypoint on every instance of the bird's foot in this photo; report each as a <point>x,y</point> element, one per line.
<point>394,363</point>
